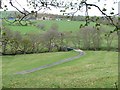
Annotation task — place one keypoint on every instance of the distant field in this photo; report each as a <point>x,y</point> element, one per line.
<point>95,69</point>
<point>63,25</point>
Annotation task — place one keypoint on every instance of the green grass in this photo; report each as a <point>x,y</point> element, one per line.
<point>25,29</point>
<point>25,62</point>
<point>96,69</point>
<point>0,72</point>
<point>63,25</point>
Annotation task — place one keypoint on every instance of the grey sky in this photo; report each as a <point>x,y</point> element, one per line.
<point>93,11</point>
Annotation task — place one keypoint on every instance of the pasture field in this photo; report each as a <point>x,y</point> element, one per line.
<point>96,69</point>
<point>0,72</point>
<point>29,61</point>
<point>63,25</point>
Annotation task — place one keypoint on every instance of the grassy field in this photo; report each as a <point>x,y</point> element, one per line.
<point>35,60</point>
<point>63,25</point>
<point>67,26</point>
<point>95,69</point>
<point>0,72</point>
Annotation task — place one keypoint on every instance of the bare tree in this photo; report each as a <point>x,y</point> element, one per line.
<point>41,26</point>
<point>50,37</point>
<point>15,42</point>
<point>74,7</point>
<point>38,5</point>
<point>6,38</point>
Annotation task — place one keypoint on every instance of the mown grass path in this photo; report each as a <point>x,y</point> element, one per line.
<point>81,53</point>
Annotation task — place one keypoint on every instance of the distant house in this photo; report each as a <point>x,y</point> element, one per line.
<point>11,18</point>
<point>44,18</point>
<point>58,19</point>
<point>68,20</point>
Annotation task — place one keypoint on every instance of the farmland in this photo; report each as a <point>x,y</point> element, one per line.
<point>63,25</point>
<point>96,69</point>
<point>63,34</point>
<point>59,44</point>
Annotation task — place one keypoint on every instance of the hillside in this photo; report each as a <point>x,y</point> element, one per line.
<point>96,69</point>
<point>63,25</point>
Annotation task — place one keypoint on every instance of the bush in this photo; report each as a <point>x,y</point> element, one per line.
<point>41,26</point>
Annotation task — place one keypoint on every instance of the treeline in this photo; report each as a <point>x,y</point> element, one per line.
<point>100,19</point>
<point>87,38</point>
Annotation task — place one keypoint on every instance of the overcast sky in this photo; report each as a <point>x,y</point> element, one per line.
<point>92,12</point>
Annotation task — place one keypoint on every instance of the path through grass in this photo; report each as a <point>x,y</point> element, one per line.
<point>96,69</point>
